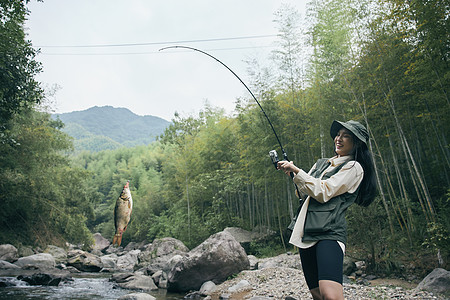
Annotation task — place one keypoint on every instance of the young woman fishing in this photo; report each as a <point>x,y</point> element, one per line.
<point>330,187</point>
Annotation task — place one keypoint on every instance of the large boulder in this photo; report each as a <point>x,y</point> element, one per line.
<point>134,281</point>
<point>100,243</point>
<point>37,261</point>
<point>4,265</point>
<point>438,281</point>
<point>217,258</point>
<point>8,253</point>
<point>58,253</point>
<point>128,261</point>
<point>162,248</point>
<point>41,279</point>
<point>84,261</point>
<point>109,262</point>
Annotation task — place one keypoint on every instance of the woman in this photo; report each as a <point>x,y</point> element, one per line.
<point>331,186</point>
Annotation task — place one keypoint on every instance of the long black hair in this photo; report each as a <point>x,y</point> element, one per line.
<point>368,187</point>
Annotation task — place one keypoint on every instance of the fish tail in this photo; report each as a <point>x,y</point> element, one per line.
<point>117,239</point>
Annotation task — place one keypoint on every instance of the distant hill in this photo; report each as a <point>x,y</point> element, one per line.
<point>107,127</point>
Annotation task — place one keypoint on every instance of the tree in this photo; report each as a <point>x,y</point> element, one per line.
<point>18,88</point>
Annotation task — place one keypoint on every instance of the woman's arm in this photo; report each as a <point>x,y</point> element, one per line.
<point>346,180</point>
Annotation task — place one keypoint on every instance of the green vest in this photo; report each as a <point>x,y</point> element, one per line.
<point>326,221</point>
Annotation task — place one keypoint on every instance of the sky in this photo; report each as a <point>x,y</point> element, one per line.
<point>107,52</point>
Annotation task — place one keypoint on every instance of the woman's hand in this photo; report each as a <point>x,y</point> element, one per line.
<point>288,167</point>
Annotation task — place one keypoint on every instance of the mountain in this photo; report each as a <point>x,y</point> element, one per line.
<point>107,127</point>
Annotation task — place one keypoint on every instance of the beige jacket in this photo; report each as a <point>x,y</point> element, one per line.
<point>346,180</point>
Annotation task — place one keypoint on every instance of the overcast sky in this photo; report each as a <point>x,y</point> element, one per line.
<point>125,68</point>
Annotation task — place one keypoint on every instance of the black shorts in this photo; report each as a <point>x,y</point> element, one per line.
<point>323,261</point>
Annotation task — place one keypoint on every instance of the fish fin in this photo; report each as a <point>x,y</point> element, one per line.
<point>117,239</point>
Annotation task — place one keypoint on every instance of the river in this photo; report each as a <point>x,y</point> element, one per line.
<point>80,288</point>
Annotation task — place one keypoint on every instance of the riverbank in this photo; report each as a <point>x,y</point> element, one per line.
<point>282,281</point>
<point>278,283</point>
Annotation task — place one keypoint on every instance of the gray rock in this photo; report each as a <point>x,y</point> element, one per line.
<point>135,246</point>
<point>84,261</point>
<point>207,288</point>
<point>283,260</point>
<point>41,279</point>
<point>58,253</point>
<point>128,261</point>
<point>134,281</point>
<point>162,248</point>
<point>25,251</point>
<point>438,281</point>
<point>100,243</point>
<point>239,286</point>
<point>254,261</point>
<point>109,262</point>
<point>8,253</point>
<point>38,261</point>
<point>137,296</point>
<point>244,236</point>
<point>217,258</point>
<point>349,266</point>
<point>4,265</point>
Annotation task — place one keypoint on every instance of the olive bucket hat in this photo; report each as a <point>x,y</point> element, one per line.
<point>353,126</point>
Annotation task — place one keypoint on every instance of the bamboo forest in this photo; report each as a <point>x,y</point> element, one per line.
<point>383,63</point>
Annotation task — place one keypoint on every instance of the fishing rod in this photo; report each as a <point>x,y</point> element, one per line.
<point>272,153</point>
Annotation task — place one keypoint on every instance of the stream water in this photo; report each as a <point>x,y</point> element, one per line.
<point>81,288</point>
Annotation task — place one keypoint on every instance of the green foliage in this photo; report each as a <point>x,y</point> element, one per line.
<point>382,63</point>
<point>38,184</point>
<point>266,248</point>
<point>19,90</point>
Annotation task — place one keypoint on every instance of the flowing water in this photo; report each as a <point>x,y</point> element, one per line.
<point>81,288</point>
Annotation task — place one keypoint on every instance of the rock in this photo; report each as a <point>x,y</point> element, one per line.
<point>207,288</point>
<point>58,253</point>
<point>8,253</point>
<point>41,279</point>
<point>38,261</point>
<point>349,266</point>
<point>137,296</point>
<point>242,235</point>
<point>100,243</point>
<point>84,261</point>
<point>193,295</point>
<point>109,262</point>
<point>128,261</point>
<point>283,260</point>
<point>25,251</point>
<point>134,281</point>
<point>135,246</point>
<point>4,265</point>
<point>245,237</point>
<point>243,284</point>
<point>253,262</point>
<point>438,281</point>
<point>162,248</point>
<point>217,258</point>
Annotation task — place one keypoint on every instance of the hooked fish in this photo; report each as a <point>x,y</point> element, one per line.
<point>122,213</point>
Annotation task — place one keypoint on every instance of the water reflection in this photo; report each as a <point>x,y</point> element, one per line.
<point>78,288</point>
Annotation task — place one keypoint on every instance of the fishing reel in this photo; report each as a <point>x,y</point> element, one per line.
<point>274,157</point>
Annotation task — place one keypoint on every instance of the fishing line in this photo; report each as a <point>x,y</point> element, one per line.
<point>270,123</point>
